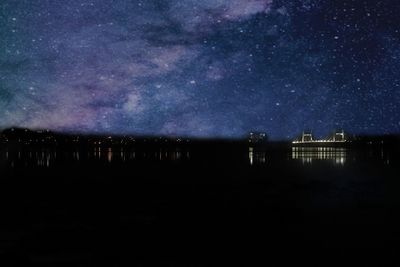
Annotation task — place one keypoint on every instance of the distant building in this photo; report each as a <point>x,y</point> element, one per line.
<point>257,137</point>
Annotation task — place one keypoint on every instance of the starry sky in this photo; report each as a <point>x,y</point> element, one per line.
<point>201,68</point>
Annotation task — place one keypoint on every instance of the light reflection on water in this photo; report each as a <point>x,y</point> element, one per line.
<point>39,158</point>
<point>121,155</point>
<point>255,156</point>
<point>48,157</point>
<point>307,155</point>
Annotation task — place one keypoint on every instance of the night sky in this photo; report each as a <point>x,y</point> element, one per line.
<point>204,68</point>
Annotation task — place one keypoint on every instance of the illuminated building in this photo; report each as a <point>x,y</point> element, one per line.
<point>256,138</point>
<point>337,137</point>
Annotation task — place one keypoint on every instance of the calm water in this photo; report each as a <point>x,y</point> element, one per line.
<point>339,156</point>
<point>199,206</point>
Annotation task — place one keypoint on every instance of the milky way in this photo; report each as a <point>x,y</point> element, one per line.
<point>205,68</point>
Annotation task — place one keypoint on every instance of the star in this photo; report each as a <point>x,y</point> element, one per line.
<point>200,68</point>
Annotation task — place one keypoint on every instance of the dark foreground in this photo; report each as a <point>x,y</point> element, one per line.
<point>227,205</point>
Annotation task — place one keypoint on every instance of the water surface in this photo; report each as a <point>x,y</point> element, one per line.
<point>198,206</point>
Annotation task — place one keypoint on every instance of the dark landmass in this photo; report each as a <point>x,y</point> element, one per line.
<point>46,137</point>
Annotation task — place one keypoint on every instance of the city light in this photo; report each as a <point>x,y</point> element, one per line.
<point>307,138</point>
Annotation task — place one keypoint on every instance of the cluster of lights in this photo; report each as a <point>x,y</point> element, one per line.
<point>319,141</point>
<point>310,139</point>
